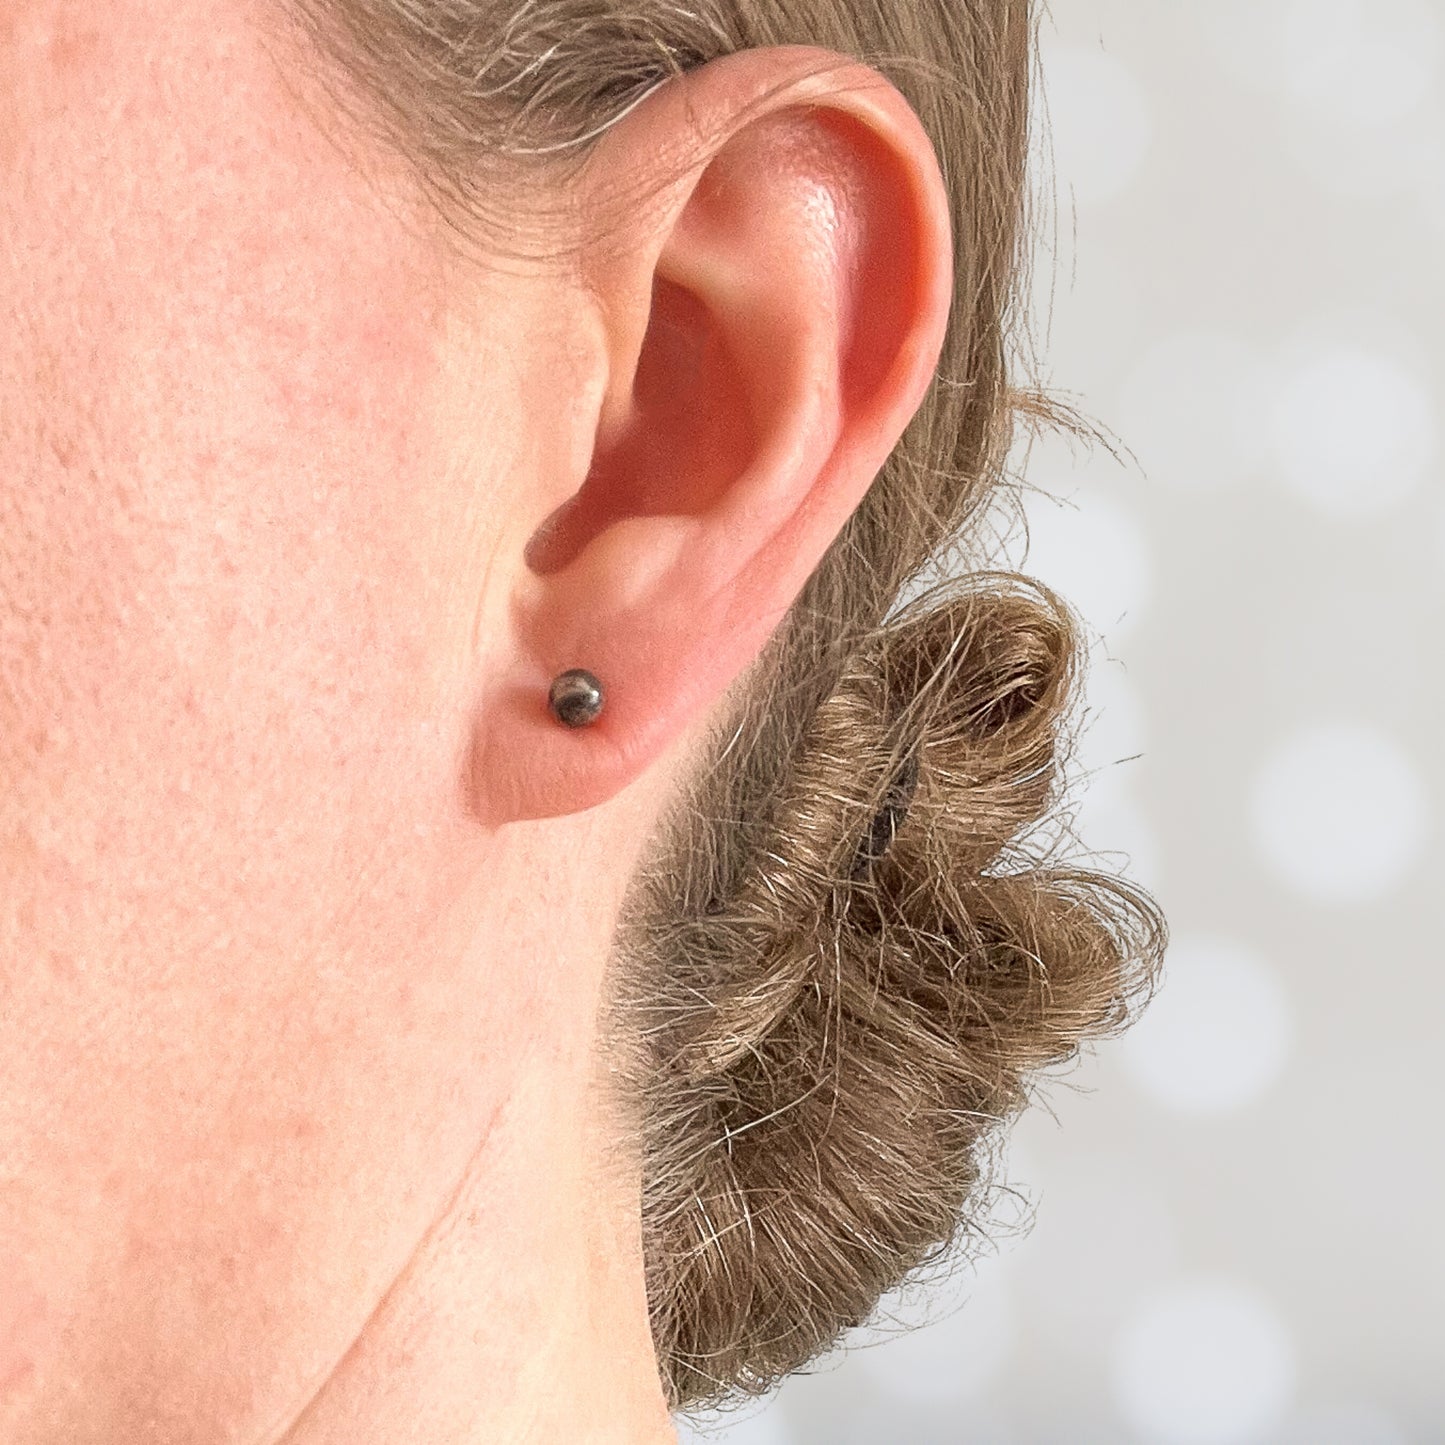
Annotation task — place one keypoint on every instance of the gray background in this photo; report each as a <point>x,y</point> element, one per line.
<point>1226,1226</point>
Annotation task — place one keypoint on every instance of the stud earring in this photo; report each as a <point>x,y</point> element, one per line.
<point>576,698</point>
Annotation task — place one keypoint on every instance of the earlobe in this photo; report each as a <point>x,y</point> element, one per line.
<point>771,323</point>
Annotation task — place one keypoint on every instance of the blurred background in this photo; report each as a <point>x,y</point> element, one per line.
<point>1225,1228</point>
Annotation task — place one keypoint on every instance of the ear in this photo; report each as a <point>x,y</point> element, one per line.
<point>771,320</point>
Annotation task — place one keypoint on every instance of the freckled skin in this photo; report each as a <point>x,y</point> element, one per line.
<point>233,972</point>
<point>23,1320</point>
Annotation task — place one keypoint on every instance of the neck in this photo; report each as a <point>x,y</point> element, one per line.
<point>468,1347</point>
<point>521,1317</point>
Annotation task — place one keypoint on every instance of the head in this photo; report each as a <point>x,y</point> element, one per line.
<point>374,1048</point>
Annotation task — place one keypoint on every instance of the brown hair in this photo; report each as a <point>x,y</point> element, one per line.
<point>842,962</point>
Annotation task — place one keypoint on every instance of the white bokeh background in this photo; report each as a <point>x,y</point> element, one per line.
<point>1229,1221</point>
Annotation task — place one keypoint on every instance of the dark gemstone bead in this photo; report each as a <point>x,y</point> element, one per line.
<point>576,698</point>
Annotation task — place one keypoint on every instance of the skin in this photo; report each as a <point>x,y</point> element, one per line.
<point>306,898</point>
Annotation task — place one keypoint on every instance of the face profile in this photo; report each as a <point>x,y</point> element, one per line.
<point>510,928</point>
